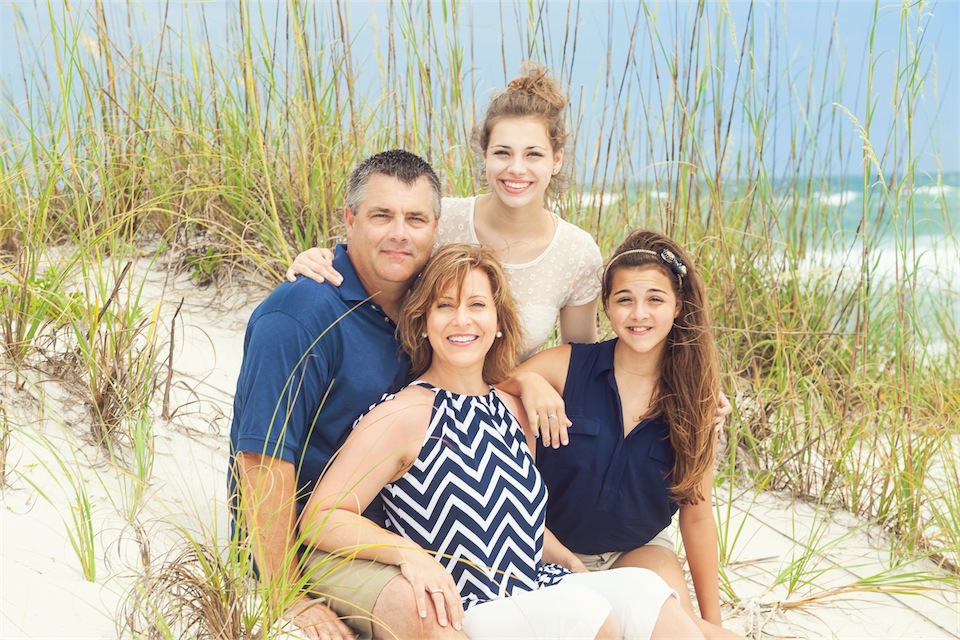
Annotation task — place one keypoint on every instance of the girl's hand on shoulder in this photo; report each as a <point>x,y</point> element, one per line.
<point>317,264</point>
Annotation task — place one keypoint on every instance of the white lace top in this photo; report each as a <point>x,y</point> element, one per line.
<point>566,274</point>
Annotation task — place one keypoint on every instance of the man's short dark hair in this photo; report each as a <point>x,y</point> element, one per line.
<point>396,163</point>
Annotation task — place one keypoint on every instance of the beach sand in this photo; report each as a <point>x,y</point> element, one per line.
<point>43,593</point>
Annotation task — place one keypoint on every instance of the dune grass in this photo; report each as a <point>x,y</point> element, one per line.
<point>225,155</point>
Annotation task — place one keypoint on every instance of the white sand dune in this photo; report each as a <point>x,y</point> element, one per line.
<point>43,593</point>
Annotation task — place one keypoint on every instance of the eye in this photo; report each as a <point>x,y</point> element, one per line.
<point>501,152</point>
<point>536,154</point>
<point>479,304</point>
<point>623,300</point>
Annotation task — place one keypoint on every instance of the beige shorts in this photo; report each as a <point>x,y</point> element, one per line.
<point>351,586</point>
<point>603,561</point>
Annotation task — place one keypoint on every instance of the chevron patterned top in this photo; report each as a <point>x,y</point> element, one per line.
<point>475,498</point>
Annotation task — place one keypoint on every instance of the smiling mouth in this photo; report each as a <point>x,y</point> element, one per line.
<point>510,185</point>
<point>639,330</point>
<point>462,339</point>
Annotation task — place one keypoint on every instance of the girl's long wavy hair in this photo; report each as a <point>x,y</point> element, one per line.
<point>686,394</point>
<point>450,266</point>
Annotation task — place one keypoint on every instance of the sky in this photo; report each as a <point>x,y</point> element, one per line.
<point>800,30</point>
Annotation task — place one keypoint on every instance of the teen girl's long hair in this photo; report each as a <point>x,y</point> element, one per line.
<point>686,394</point>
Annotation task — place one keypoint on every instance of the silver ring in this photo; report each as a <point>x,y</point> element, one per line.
<point>551,416</point>
<point>436,590</point>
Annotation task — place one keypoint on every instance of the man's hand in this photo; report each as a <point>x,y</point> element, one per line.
<point>317,621</point>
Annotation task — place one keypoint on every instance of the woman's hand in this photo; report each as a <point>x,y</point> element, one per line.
<point>576,565</point>
<point>430,580</point>
<point>544,408</point>
<point>556,553</point>
<point>724,408</point>
<point>316,264</point>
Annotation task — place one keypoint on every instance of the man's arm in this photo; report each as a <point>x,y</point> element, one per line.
<point>268,488</point>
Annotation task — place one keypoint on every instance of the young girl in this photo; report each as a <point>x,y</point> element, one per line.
<point>552,265</point>
<point>465,504</point>
<point>643,409</point>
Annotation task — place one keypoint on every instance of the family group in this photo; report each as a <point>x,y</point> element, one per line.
<point>409,458</point>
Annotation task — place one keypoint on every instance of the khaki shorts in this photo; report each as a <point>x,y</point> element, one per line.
<point>603,561</point>
<point>351,586</point>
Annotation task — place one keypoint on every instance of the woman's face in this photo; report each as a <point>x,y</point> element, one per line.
<point>520,161</point>
<point>642,307</point>
<point>462,324</point>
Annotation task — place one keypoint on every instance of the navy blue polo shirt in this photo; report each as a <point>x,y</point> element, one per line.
<point>607,493</point>
<point>315,357</point>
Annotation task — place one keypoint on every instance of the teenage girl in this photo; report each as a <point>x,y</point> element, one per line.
<point>552,265</point>
<point>642,410</point>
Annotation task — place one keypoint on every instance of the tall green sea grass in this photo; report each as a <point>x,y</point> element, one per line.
<point>224,150</point>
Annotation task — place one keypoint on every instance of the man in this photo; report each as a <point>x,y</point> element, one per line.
<point>315,357</point>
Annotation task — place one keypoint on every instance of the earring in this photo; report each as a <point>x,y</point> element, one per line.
<point>499,334</point>
<point>423,335</point>
<point>556,171</point>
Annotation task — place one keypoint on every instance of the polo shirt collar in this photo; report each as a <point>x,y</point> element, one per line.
<point>351,289</point>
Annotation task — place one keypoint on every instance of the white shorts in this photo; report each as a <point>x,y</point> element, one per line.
<point>574,609</point>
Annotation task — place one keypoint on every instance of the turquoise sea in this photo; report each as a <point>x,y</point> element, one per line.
<point>907,238</point>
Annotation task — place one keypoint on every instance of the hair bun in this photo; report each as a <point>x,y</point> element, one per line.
<point>536,81</point>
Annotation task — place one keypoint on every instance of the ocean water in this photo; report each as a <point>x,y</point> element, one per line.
<point>912,240</point>
<point>913,237</point>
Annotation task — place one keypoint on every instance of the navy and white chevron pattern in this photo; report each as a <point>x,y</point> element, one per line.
<point>475,498</point>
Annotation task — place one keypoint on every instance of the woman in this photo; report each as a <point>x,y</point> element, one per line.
<point>642,408</point>
<point>551,264</point>
<point>465,503</point>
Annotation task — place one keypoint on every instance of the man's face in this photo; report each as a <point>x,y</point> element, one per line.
<point>391,235</point>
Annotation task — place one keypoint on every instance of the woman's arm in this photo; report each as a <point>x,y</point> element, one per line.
<point>554,552</point>
<point>699,532</point>
<point>539,382</point>
<point>380,450</point>
<point>579,324</point>
<point>317,264</point>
